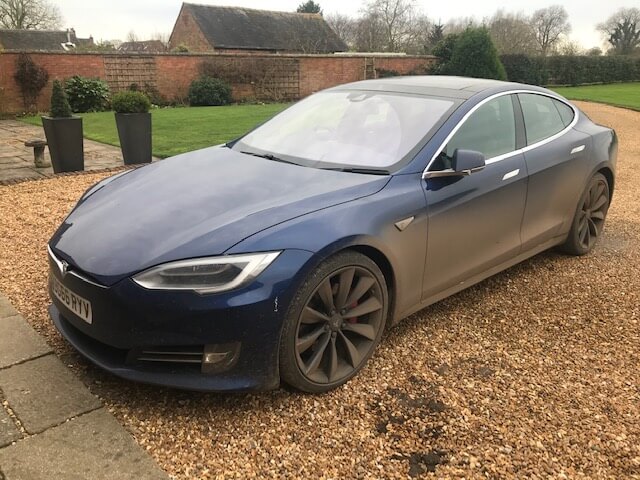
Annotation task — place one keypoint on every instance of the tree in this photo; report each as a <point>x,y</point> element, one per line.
<point>475,55</point>
<point>622,30</point>
<point>569,48</point>
<point>460,24</point>
<point>512,33</point>
<point>343,26</point>
<point>444,51</point>
<point>309,7</point>
<point>29,14</point>
<point>549,24</point>
<point>397,21</point>
<point>594,52</point>
<point>369,34</point>
<point>436,34</point>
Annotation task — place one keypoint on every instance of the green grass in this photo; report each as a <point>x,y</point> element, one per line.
<point>618,94</point>
<point>179,130</point>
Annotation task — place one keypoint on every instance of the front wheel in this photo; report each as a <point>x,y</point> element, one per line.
<point>588,221</point>
<point>334,323</point>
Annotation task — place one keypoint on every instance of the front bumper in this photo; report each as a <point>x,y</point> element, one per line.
<point>128,319</point>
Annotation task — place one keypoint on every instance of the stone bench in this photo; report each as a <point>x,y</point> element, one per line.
<point>38,151</point>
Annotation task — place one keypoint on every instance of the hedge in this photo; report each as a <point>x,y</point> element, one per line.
<point>571,69</point>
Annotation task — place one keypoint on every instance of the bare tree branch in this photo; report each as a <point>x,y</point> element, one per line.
<point>344,26</point>
<point>549,25</point>
<point>29,14</point>
<point>512,33</point>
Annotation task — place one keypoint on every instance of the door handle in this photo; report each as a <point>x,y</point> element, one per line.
<point>511,174</point>
<point>577,149</point>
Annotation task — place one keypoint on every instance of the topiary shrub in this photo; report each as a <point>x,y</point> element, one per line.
<point>209,91</point>
<point>130,102</point>
<point>60,107</point>
<point>475,55</point>
<point>87,94</point>
<point>31,79</point>
<point>444,50</point>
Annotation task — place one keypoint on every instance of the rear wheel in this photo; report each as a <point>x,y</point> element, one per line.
<point>334,323</point>
<point>588,222</point>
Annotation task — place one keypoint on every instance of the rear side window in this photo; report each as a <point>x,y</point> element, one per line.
<point>543,116</point>
<point>565,111</point>
<point>490,130</point>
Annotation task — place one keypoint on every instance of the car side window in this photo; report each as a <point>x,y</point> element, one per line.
<point>543,116</point>
<point>565,111</point>
<point>491,130</point>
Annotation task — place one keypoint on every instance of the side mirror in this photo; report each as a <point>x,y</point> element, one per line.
<point>467,161</point>
<point>464,162</point>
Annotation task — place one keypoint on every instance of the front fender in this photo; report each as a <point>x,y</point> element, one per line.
<point>365,222</point>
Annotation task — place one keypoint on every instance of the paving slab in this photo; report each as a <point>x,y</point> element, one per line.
<point>19,342</point>
<point>43,393</point>
<point>16,160</point>
<point>8,431</point>
<point>93,446</point>
<point>6,309</point>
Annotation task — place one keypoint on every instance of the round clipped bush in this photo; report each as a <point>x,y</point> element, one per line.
<point>86,94</point>
<point>209,91</point>
<point>475,55</point>
<point>130,102</point>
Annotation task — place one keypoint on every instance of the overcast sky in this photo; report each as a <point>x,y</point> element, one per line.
<point>113,19</point>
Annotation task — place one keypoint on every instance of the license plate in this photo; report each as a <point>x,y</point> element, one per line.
<point>74,302</point>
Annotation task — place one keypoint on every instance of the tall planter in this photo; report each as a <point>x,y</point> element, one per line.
<point>134,130</point>
<point>64,138</point>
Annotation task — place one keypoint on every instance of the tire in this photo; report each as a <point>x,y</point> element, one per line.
<point>321,346</point>
<point>588,221</point>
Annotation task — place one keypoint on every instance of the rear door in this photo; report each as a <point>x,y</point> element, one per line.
<point>553,155</point>
<point>475,220</point>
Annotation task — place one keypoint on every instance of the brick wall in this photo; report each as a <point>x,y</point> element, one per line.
<point>172,73</point>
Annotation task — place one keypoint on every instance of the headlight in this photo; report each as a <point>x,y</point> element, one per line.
<point>206,275</point>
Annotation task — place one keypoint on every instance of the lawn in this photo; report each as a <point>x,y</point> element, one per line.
<point>618,94</point>
<point>178,130</point>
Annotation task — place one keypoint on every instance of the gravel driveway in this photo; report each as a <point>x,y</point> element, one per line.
<point>535,372</point>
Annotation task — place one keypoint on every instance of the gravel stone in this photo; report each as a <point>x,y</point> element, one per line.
<point>559,335</point>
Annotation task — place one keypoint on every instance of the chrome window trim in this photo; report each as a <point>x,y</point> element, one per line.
<point>58,263</point>
<point>497,158</point>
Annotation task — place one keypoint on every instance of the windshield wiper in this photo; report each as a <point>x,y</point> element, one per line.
<point>270,156</point>
<point>363,170</point>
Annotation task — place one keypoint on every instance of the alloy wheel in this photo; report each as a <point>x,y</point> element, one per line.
<point>592,214</point>
<point>339,325</point>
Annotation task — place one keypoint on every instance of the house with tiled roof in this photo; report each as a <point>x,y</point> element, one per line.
<point>143,46</point>
<point>209,28</point>
<point>42,40</point>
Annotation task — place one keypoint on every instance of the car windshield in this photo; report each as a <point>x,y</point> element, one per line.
<point>347,129</point>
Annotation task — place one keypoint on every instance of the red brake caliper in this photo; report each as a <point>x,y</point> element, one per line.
<point>353,319</point>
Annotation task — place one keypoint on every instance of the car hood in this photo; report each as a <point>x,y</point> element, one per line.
<point>193,205</point>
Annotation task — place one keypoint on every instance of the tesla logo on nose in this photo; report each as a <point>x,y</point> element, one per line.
<point>64,268</point>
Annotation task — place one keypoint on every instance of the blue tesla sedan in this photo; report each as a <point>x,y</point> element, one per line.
<point>283,255</point>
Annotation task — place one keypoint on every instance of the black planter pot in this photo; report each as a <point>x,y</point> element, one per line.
<point>134,130</point>
<point>64,138</point>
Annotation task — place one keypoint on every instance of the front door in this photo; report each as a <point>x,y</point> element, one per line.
<point>475,220</point>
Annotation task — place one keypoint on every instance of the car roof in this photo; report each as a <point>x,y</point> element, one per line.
<point>436,85</point>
